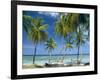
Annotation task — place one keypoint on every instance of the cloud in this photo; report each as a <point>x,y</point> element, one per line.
<point>52,14</point>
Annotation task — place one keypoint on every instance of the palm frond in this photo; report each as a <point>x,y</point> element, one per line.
<point>43,27</point>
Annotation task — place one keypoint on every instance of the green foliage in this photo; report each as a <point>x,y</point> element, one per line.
<point>69,45</point>
<point>69,40</point>
<point>50,44</point>
<point>27,22</point>
<point>72,21</point>
<point>35,28</point>
<point>61,27</point>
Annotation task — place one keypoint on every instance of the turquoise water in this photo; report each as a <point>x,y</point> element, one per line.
<point>44,59</point>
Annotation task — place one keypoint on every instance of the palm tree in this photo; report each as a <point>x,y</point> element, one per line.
<point>83,26</point>
<point>68,46</point>
<point>80,39</point>
<point>79,24</point>
<point>35,30</point>
<point>68,41</point>
<point>50,46</point>
<point>65,25</point>
<point>61,28</point>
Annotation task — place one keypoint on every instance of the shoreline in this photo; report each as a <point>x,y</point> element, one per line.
<point>46,65</point>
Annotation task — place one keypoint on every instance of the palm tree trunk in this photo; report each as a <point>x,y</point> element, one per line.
<point>78,49</point>
<point>50,58</point>
<point>64,55</point>
<point>34,53</point>
<point>78,54</point>
<point>61,52</point>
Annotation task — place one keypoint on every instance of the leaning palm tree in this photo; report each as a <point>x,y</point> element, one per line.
<point>50,46</point>
<point>69,44</point>
<point>65,25</point>
<point>35,30</point>
<point>61,28</point>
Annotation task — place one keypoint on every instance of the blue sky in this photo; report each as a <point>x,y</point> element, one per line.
<point>49,18</point>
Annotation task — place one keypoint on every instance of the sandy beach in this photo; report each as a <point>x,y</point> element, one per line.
<point>31,66</point>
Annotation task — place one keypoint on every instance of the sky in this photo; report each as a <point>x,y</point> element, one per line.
<point>49,18</point>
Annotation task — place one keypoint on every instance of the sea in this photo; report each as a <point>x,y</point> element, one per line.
<point>42,59</point>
